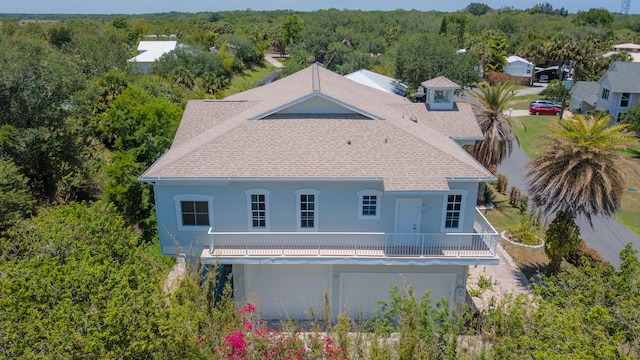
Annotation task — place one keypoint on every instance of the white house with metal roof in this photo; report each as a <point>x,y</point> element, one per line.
<point>149,52</point>
<point>316,184</point>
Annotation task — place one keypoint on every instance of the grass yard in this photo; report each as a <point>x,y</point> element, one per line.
<point>245,81</point>
<point>530,131</point>
<point>502,217</point>
<point>522,102</point>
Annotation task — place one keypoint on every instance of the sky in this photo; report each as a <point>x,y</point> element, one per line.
<point>157,6</point>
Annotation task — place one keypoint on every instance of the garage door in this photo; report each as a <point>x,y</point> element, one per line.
<point>359,293</point>
<point>287,291</point>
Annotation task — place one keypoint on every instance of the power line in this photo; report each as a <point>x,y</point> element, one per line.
<point>625,7</point>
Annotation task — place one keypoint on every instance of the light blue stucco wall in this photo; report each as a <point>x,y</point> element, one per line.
<point>338,208</point>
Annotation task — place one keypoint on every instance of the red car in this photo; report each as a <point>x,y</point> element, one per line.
<point>543,109</point>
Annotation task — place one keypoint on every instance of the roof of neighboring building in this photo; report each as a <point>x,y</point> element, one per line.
<point>440,82</point>
<point>514,58</point>
<point>623,77</point>
<point>635,56</point>
<point>586,91</point>
<point>378,81</point>
<point>151,51</point>
<point>316,124</point>
<point>626,46</point>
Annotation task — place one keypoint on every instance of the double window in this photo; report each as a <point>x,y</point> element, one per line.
<point>369,204</point>
<point>258,209</point>
<point>605,93</point>
<point>194,212</point>
<point>307,209</point>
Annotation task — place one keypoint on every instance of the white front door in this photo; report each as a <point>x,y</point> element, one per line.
<point>408,216</point>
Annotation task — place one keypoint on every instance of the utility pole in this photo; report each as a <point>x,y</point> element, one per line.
<point>567,87</point>
<point>624,10</point>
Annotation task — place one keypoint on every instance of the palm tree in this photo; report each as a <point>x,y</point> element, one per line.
<point>498,135</point>
<point>580,174</point>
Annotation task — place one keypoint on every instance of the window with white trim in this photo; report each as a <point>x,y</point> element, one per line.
<point>307,209</point>
<point>369,204</point>
<point>194,212</point>
<point>453,211</point>
<point>258,209</point>
<point>605,93</point>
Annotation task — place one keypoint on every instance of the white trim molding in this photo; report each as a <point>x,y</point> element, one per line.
<point>315,210</point>
<point>250,211</point>
<point>373,199</point>
<point>178,199</point>
<point>457,199</point>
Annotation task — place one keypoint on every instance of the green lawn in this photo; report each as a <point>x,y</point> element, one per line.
<point>245,81</point>
<point>530,131</point>
<point>504,216</point>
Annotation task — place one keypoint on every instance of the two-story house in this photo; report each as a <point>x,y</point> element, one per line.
<point>619,88</point>
<point>315,185</point>
<point>615,92</point>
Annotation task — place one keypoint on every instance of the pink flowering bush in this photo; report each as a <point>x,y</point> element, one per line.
<point>255,341</point>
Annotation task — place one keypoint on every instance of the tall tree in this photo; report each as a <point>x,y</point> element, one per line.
<point>581,173</point>
<point>499,137</point>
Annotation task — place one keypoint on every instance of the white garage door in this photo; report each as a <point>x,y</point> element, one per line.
<point>287,291</point>
<point>359,293</point>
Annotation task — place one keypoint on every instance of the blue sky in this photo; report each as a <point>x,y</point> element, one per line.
<point>153,6</point>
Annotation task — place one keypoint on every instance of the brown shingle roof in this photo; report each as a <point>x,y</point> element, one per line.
<point>440,82</point>
<point>368,134</point>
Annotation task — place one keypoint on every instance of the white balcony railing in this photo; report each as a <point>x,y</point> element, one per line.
<point>479,244</point>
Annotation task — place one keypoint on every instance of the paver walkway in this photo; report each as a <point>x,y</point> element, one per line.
<point>506,278</point>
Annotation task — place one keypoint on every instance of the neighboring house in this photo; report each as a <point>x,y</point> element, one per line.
<point>519,70</point>
<point>315,184</point>
<point>632,49</point>
<point>619,88</point>
<point>149,52</point>
<point>584,95</point>
<point>378,81</point>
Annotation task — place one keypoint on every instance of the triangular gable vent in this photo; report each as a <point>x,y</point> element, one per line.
<point>317,104</point>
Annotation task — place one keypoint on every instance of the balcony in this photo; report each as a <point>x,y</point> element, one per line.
<point>478,247</point>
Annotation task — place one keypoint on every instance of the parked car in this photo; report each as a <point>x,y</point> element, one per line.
<point>547,102</point>
<point>543,109</point>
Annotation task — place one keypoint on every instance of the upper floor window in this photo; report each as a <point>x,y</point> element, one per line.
<point>454,210</point>
<point>369,204</point>
<point>258,209</point>
<point>624,99</point>
<point>605,93</point>
<point>194,212</point>
<point>440,96</point>
<point>307,209</point>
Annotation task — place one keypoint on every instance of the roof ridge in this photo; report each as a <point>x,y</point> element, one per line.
<point>315,78</point>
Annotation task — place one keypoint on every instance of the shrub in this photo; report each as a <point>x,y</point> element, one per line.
<point>514,196</point>
<point>502,183</point>
<point>496,77</point>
